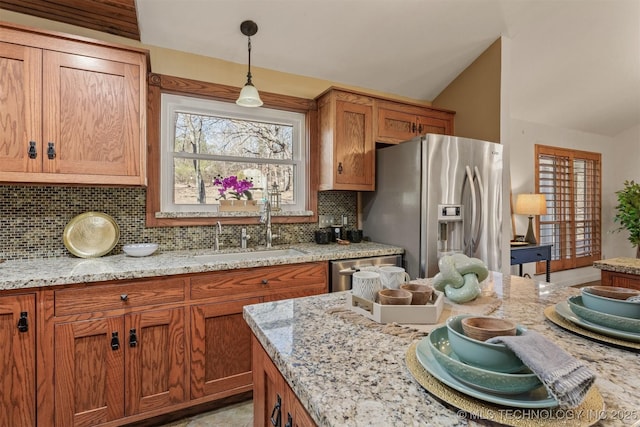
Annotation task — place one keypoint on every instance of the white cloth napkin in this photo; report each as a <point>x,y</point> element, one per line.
<point>566,378</point>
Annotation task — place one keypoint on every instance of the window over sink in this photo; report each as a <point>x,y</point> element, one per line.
<point>206,141</point>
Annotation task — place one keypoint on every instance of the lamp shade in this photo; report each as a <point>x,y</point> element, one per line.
<point>531,204</point>
<point>249,96</point>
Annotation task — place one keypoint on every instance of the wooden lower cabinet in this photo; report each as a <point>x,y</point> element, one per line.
<point>18,360</point>
<point>109,368</point>
<point>274,403</point>
<point>622,280</point>
<point>123,351</point>
<point>220,348</point>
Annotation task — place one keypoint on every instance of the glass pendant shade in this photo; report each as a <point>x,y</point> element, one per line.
<point>249,96</point>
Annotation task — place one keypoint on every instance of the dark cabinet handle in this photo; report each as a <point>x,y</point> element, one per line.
<point>23,323</point>
<point>420,129</point>
<point>51,151</point>
<point>413,128</point>
<point>340,169</point>
<point>133,339</point>
<point>115,341</point>
<point>124,297</point>
<point>289,420</point>
<point>33,152</point>
<point>276,422</point>
<point>265,282</point>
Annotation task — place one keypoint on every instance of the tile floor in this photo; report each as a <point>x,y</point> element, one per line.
<point>236,415</point>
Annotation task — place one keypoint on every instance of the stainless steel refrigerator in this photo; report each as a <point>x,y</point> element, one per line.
<point>437,195</point>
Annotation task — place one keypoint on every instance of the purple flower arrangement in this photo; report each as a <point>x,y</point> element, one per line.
<point>233,187</point>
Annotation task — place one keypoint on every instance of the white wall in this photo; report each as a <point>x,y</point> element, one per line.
<point>620,160</point>
<point>625,150</point>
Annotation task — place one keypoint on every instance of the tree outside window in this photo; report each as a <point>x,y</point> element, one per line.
<point>205,140</point>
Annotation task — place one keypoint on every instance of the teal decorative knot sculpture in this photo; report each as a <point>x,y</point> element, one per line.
<point>460,277</point>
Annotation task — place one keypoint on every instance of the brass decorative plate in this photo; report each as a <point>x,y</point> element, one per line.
<point>91,234</point>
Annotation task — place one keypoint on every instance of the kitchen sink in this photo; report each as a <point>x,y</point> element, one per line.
<point>248,256</point>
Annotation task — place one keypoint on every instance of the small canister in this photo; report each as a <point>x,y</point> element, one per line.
<point>322,237</point>
<point>354,236</point>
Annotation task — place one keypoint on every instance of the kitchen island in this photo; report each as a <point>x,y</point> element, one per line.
<point>347,374</point>
<point>622,272</point>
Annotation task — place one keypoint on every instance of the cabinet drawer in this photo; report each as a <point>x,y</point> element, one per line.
<point>258,280</point>
<point>526,255</point>
<point>92,298</point>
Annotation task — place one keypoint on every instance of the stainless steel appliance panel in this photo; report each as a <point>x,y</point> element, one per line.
<point>415,179</point>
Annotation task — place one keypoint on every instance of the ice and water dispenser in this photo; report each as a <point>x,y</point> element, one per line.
<point>450,230</point>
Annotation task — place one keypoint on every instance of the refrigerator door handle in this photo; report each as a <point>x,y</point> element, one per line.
<point>473,212</point>
<point>478,224</point>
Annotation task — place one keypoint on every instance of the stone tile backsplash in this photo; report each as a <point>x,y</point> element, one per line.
<point>32,220</point>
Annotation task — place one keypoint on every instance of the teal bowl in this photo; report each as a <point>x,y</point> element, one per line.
<point>485,380</point>
<point>616,307</point>
<point>620,323</point>
<point>493,357</point>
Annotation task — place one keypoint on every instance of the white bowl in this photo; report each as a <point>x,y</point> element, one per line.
<point>140,249</point>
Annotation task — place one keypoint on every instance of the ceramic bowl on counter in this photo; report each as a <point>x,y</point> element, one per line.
<point>483,328</point>
<point>611,301</point>
<point>483,379</point>
<point>494,357</point>
<point>140,249</point>
<point>621,323</point>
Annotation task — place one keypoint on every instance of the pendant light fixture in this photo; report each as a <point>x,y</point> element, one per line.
<point>249,96</point>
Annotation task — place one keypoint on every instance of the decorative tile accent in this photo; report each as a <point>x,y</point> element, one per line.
<point>32,220</point>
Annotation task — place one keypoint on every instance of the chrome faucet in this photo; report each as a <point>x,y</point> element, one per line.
<point>216,243</point>
<point>265,218</point>
<point>243,238</point>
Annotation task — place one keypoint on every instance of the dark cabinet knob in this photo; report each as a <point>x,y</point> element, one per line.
<point>23,323</point>
<point>265,281</point>
<point>413,128</point>
<point>115,341</point>
<point>340,168</point>
<point>51,151</point>
<point>124,297</point>
<point>133,338</point>
<point>33,152</point>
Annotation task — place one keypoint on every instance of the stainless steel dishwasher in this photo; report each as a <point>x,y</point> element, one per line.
<point>343,269</point>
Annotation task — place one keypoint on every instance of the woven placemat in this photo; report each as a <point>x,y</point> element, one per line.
<point>587,414</point>
<point>550,313</point>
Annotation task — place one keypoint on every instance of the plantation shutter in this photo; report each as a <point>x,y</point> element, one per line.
<point>570,181</point>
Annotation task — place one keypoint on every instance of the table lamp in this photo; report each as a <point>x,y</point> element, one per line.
<point>531,204</point>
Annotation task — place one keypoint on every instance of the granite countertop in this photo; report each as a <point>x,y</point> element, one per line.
<point>620,265</point>
<point>64,271</point>
<point>347,374</point>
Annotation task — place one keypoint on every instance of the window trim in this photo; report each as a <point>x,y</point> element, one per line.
<point>573,154</point>
<point>160,83</point>
<point>172,104</point>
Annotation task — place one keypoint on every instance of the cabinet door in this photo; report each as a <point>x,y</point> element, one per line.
<point>17,361</point>
<point>89,372</point>
<point>268,390</point>
<point>20,104</point>
<point>354,147</point>
<point>92,119</point>
<point>396,126</point>
<point>434,125</point>
<point>155,366</point>
<point>220,348</point>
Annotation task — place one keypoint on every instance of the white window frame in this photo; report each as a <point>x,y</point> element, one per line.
<point>172,104</point>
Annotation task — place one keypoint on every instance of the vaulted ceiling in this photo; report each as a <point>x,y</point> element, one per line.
<point>574,64</point>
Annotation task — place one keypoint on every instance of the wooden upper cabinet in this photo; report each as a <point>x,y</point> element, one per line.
<point>75,110</point>
<point>398,122</point>
<point>347,148</point>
